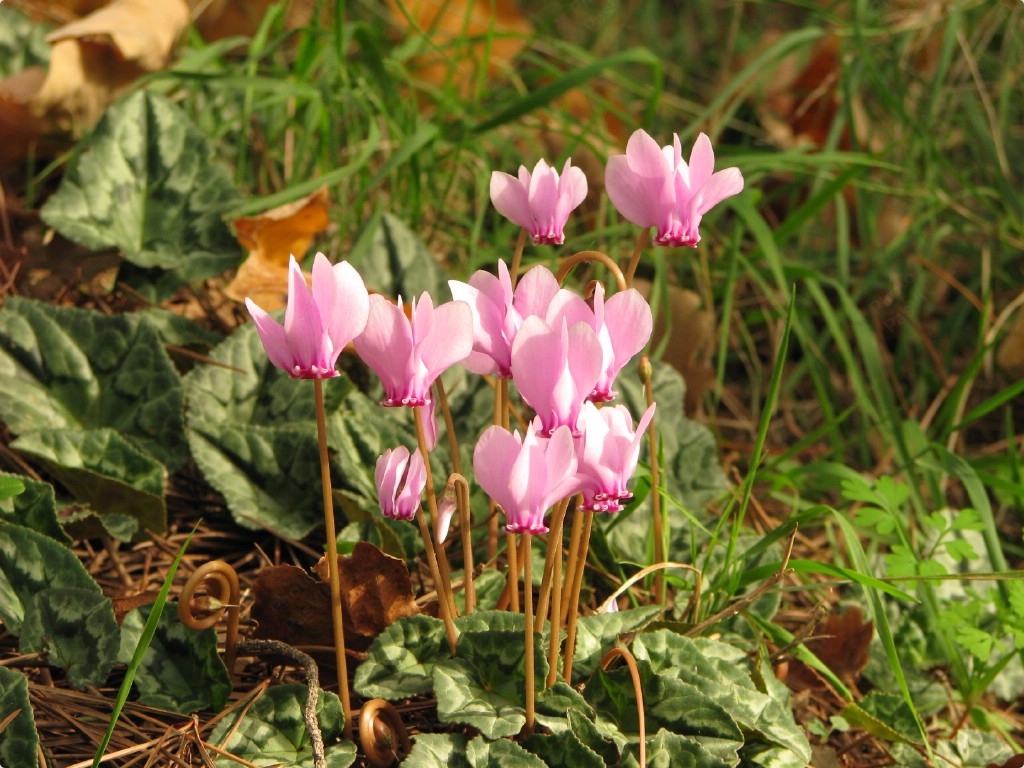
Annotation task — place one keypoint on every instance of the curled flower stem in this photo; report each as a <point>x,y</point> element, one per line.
<point>641,243</point>
<point>574,600</point>
<point>603,258</point>
<point>443,573</point>
<point>334,578</point>
<point>304,660</point>
<point>531,683</point>
<point>220,582</point>
<point>382,734</point>
<point>621,653</point>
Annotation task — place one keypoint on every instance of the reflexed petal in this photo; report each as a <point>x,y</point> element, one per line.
<point>645,156</point>
<point>535,291</point>
<point>510,198</point>
<point>345,313</point>
<point>272,335</point>
<point>629,322</point>
<point>725,183</point>
<point>631,194</point>
<point>493,457</point>
<point>385,345</point>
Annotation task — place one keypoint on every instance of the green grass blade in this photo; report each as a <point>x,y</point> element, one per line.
<point>140,650</point>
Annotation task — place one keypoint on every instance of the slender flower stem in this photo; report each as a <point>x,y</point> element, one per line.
<point>500,395</point>
<point>442,600</point>
<point>332,560</point>
<point>462,499</point>
<point>513,572</point>
<point>570,565</point>
<point>574,601</point>
<point>517,257</point>
<point>641,243</point>
<point>453,442</point>
<point>555,590</point>
<point>444,583</point>
<point>531,683</point>
<point>554,553</point>
<point>657,518</point>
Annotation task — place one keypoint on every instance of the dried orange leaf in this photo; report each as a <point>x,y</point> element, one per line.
<point>270,239</point>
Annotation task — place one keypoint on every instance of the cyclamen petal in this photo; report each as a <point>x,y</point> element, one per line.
<point>318,322</point>
<point>539,202</point>
<point>525,476</point>
<point>652,187</point>
<point>408,355</point>
<point>607,455</point>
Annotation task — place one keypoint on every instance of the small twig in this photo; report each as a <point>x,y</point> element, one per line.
<point>382,733</point>
<point>750,597</point>
<point>305,661</point>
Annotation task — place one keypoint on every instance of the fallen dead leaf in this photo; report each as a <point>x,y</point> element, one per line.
<point>1010,354</point>
<point>461,35</point>
<point>376,589</point>
<point>19,125</point>
<point>294,608</point>
<point>271,238</point>
<point>227,18</point>
<point>841,644</point>
<point>96,57</point>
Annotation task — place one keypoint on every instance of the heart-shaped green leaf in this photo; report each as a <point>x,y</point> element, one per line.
<point>598,634</point>
<point>668,749</point>
<point>400,661</point>
<point>181,670</point>
<point>72,369</point>
<point>147,183</point>
<point>76,630</point>
<point>272,731</point>
<point>438,750</point>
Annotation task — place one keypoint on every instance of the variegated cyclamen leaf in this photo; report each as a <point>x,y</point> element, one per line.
<point>503,753</point>
<point>597,634</point>
<point>29,563</point>
<point>19,742</point>
<point>147,183</point>
<point>400,660</point>
<point>73,369</point>
<point>438,750</point>
<point>77,631</point>
<point>668,749</point>
<point>272,731</point>
<point>181,670</point>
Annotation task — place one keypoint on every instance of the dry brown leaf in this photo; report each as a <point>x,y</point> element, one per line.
<point>294,608</point>
<point>271,238</point>
<point>841,644</point>
<point>376,589</point>
<point>96,57</point>
<point>457,32</point>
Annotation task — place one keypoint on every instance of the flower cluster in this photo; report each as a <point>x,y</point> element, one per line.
<point>563,353</point>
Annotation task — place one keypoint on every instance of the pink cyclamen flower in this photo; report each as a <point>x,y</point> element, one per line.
<point>623,326</point>
<point>525,476</point>
<point>409,354</point>
<point>555,370</point>
<point>607,455</point>
<point>498,313</point>
<point>318,321</point>
<point>653,186</point>
<point>400,477</point>
<point>539,202</point>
